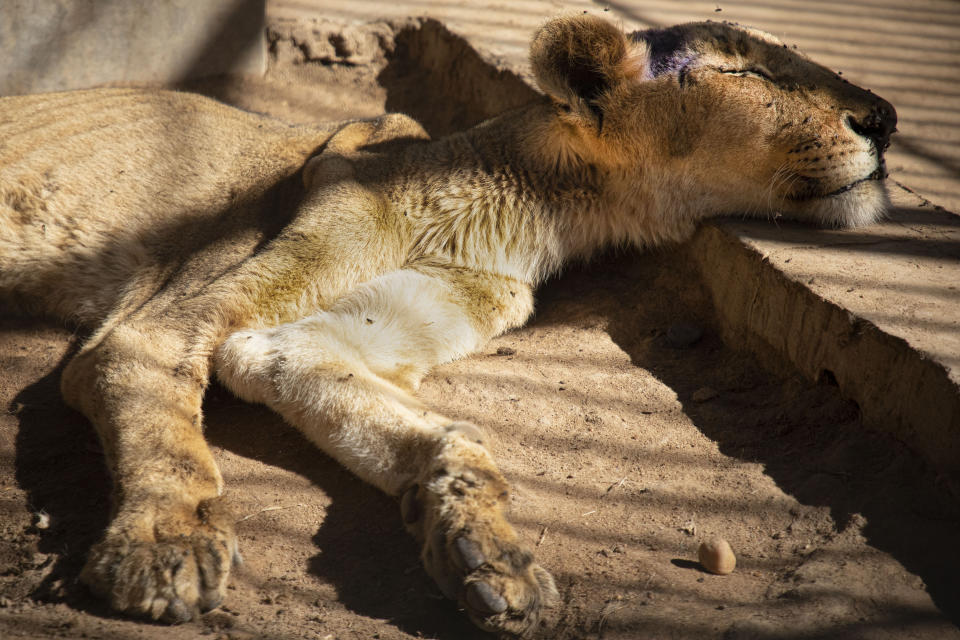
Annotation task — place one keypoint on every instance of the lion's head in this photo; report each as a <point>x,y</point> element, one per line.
<point>721,118</point>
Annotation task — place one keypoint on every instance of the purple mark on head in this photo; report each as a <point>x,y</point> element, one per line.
<point>668,50</point>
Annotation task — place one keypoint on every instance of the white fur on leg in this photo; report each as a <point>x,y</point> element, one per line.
<point>340,375</point>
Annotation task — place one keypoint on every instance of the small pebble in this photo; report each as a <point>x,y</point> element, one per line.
<point>683,334</point>
<point>717,557</point>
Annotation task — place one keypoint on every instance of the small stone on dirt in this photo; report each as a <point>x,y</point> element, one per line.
<point>506,351</point>
<point>717,557</point>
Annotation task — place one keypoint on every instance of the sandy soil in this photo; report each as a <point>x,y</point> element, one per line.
<point>627,445</point>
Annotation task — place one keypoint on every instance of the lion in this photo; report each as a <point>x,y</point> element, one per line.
<point>323,271</point>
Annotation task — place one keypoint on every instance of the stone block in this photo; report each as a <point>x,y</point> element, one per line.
<point>54,45</point>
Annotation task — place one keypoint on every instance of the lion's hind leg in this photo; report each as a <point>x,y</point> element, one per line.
<point>342,377</point>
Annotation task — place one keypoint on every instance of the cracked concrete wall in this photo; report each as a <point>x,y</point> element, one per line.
<point>54,45</point>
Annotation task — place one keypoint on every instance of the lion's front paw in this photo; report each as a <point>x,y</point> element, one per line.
<point>495,579</point>
<point>470,549</point>
<point>172,576</point>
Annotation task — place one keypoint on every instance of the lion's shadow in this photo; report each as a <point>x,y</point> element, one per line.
<point>59,463</point>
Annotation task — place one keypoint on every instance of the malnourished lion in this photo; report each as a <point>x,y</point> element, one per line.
<point>176,229</point>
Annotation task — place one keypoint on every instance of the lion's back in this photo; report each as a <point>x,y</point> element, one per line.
<point>95,185</point>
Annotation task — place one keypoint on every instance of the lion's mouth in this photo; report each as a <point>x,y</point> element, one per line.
<point>810,190</point>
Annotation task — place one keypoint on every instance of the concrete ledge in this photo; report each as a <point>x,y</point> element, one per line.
<point>55,45</point>
<point>800,304</point>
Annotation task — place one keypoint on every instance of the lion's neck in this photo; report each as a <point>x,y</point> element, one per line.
<point>517,196</point>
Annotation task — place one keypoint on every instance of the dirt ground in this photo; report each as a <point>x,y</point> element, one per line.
<point>627,444</point>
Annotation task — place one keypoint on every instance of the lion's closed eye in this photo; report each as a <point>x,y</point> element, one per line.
<point>752,72</point>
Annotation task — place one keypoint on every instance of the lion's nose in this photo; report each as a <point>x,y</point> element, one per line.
<point>877,124</point>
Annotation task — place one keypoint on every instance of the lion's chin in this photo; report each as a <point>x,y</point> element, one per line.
<point>858,204</point>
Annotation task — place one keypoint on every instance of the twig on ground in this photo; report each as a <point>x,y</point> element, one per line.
<point>615,485</point>
<point>543,534</point>
<point>277,507</point>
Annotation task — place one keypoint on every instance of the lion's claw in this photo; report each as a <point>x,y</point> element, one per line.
<point>469,552</point>
<point>409,507</point>
<point>482,599</point>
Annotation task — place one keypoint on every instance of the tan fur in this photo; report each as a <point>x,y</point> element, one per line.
<point>178,231</point>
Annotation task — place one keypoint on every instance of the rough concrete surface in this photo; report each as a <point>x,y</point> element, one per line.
<point>625,449</point>
<point>54,45</point>
<point>876,310</point>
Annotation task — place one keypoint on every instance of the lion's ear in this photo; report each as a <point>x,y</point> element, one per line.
<point>577,59</point>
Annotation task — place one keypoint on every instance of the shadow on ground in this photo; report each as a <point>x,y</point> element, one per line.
<point>809,438</point>
<point>364,551</point>
<point>60,464</point>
